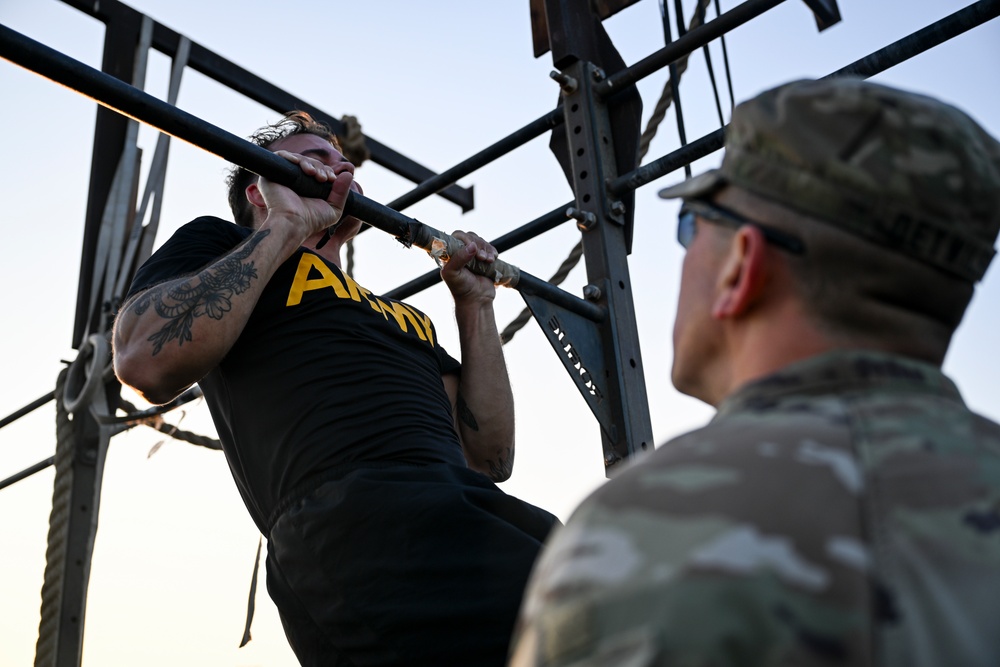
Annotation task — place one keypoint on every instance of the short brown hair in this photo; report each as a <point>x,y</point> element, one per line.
<point>859,294</point>
<point>293,123</point>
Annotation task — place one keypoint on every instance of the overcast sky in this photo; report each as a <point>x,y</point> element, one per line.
<point>436,81</point>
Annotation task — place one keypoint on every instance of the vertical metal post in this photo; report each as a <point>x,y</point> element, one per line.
<point>90,452</point>
<point>80,454</point>
<point>110,130</point>
<point>602,222</point>
<point>616,392</point>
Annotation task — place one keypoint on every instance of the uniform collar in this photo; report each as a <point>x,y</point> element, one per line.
<point>840,372</point>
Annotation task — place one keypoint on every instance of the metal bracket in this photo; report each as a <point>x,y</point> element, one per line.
<point>577,342</point>
<point>826,11</point>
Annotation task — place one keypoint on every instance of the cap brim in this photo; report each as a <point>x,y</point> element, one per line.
<point>697,186</point>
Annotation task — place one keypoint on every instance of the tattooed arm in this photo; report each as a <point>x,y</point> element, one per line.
<point>172,334</point>
<point>482,399</point>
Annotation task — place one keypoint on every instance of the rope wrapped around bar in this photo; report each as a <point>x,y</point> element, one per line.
<point>442,246</point>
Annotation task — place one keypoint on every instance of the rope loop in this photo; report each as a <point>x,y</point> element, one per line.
<point>352,142</point>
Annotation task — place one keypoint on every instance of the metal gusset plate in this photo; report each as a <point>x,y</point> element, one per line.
<point>540,25</point>
<point>577,342</point>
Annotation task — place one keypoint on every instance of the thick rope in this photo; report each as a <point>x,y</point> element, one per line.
<point>186,436</point>
<point>55,552</point>
<point>157,422</point>
<point>352,141</point>
<point>350,257</point>
<point>667,96</point>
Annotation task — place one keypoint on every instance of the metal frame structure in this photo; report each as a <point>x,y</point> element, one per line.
<point>595,134</point>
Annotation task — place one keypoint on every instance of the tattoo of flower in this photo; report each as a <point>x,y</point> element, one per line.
<point>208,293</point>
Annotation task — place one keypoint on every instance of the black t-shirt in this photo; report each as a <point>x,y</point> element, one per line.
<point>324,374</point>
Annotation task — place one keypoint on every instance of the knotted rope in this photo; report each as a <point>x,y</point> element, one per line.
<point>155,421</point>
<point>352,141</point>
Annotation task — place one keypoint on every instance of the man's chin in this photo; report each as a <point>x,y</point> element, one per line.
<point>687,385</point>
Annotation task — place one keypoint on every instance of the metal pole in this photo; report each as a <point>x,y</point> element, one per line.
<point>30,407</point>
<point>922,40</point>
<point>878,61</point>
<point>253,87</point>
<point>690,42</point>
<point>685,155</point>
<point>129,101</point>
<point>27,472</point>
<point>518,138</point>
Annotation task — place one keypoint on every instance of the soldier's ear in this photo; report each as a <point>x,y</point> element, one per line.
<point>741,274</point>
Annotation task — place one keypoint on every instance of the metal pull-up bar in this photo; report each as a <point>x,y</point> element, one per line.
<point>134,103</point>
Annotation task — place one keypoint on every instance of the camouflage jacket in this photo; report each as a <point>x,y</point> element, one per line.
<point>844,511</point>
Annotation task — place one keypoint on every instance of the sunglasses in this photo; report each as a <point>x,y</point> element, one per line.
<point>693,208</point>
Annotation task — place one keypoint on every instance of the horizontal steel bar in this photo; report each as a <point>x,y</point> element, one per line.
<point>27,472</point>
<point>30,407</point>
<point>672,161</point>
<point>682,46</point>
<point>927,38</point>
<point>514,140</point>
<point>264,92</point>
<point>130,101</point>
<point>529,284</point>
<point>875,63</point>
<point>530,230</point>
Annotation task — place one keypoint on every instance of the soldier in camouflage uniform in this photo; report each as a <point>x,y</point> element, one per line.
<point>843,506</point>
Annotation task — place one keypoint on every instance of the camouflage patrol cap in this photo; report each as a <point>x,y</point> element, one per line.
<point>902,170</point>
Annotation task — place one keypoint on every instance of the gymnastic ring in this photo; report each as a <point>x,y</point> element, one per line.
<point>96,347</point>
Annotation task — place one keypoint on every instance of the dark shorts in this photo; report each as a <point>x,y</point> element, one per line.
<point>403,566</point>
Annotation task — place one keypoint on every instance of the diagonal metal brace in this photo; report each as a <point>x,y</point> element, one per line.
<point>577,342</point>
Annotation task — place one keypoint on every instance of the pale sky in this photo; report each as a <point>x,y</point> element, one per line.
<point>436,81</point>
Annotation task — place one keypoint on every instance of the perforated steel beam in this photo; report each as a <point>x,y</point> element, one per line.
<point>598,139</point>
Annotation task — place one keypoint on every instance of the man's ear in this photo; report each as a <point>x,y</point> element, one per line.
<point>254,196</point>
<point>741,276</point>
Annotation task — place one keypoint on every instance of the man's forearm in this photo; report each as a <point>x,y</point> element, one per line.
<point>485,406</point>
